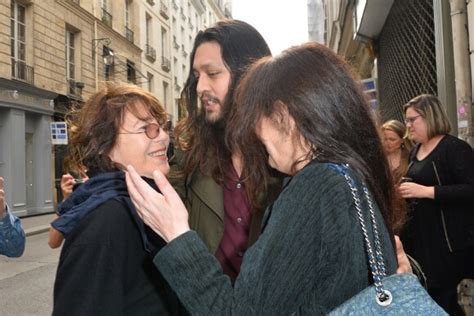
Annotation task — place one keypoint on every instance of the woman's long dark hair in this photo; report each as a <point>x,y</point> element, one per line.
<point>330,112</point>
<point>202,141</point>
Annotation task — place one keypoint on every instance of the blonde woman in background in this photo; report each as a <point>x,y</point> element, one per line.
<point>397,148</point>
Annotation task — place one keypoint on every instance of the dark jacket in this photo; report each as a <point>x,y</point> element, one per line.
<point>204,200</point>
<point>453,164</point>
<point>309,258</point>
<point>104,268</point>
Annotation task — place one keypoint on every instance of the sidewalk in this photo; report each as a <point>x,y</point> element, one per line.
<point>38,224</point>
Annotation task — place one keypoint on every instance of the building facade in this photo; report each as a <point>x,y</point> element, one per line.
<point>56,53</point>
<point>410,47</point>
<point>316,21</point>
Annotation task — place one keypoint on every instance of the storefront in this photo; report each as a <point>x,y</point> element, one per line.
<point>26,153</point>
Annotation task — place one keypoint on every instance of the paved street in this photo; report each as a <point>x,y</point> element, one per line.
<point>26,283</point>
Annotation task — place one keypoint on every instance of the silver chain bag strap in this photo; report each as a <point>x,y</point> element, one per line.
<point>398,294</point>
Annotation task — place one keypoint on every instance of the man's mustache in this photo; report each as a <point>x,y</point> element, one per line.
<point>209,97</point>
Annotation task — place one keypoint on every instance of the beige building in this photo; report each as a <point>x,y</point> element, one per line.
<point>408,48</point>
<point>56,53</point>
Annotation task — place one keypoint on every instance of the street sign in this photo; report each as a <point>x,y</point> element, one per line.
<point>370,89</point>
<point>59,133</point>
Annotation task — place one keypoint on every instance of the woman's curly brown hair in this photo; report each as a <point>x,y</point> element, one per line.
<point>93,128</point>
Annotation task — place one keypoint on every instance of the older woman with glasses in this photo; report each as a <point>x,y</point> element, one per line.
<point>440,232</point>
<point>106,265</point>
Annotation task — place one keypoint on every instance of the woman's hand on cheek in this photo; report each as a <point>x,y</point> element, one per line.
<point>165,213</point>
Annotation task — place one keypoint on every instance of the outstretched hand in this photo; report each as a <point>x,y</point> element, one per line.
<point>165,213</point>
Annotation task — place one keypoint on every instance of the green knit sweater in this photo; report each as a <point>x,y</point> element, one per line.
<point>309,258</point>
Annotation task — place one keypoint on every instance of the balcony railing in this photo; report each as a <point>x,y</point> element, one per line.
<point>199,5</point>
<point>175,42</point>
<point>191,26</point>
<point>75,87</point>
<point>150,52</point>
<point>165,64</point>
<point>164,9</point>
<point>185,54</point>
<point>106,17</point>
<point>129,34</point>
<point>21,71</point>
<point>183,16</point>
<point>71,86</point>
<point>177,87</point>
<point>175,5</point>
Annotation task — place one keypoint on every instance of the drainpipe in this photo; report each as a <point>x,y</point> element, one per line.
<point>94,48</point>
<point>445,60</point>
<point>470,16</point>
<point>462,70</point>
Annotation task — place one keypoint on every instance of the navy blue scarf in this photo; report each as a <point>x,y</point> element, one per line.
<point>94,192</point>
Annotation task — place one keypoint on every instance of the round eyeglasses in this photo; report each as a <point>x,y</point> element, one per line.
<point>152,130</point>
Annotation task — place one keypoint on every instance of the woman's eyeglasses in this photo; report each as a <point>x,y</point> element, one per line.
<point>152,130</point>
<point>412,119</point>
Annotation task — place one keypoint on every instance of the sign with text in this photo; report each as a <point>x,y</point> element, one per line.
<point>58,133</point>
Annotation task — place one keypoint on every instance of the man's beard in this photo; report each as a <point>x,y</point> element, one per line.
<point>212,117</point>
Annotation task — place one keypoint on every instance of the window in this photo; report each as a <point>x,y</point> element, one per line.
<point>164,42</point>
<point>106,16</point>
<point>150,51</point>
<point>70,61</point>
<point>131,72</point>
<point>128,27</point>
<point>165,93</point>
<point>70,55</point>
<point>18,43</point>
<point>150,81</point>
<point>127,13</point>
<point>147,29</point>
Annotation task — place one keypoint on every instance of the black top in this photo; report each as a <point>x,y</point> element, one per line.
<point>104,269</point>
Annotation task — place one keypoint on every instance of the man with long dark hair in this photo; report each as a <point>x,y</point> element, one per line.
<point>209,176</point>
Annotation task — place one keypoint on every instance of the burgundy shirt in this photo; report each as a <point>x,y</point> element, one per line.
<point>237,216</point>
